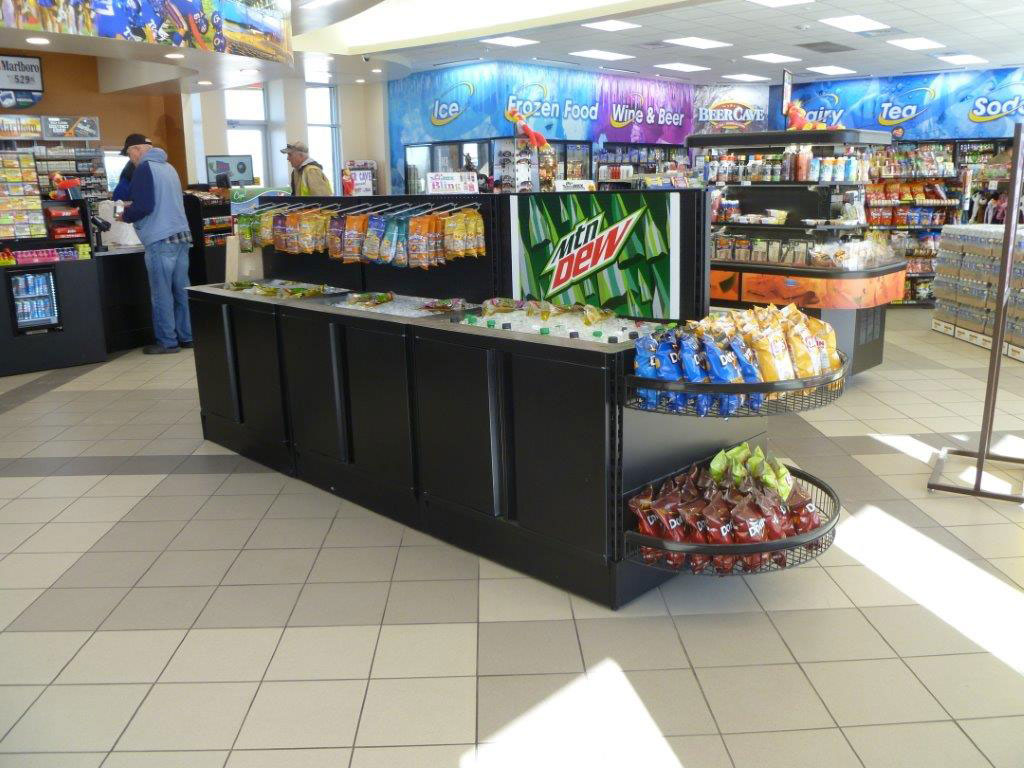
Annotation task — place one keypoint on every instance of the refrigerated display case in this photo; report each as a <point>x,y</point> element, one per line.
<point>33,297</point>
<point>443,157</point>
<point>618,163</point>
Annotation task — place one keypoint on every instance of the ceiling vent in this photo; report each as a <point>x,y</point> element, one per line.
<point>825,47</point>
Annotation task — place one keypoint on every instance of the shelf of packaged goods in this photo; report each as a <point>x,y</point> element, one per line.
<point>932,177</point>
<point>920,254</point>
<point>919,203</point>
<point>44,295</point>
<point>898,228</point>
<point>913,303</point>
<point>795,270</point>
<point>920,274</point>
<point>800,228</point>
<point>808,184</point>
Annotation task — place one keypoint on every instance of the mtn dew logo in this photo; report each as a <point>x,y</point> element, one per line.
<point>587,250</point>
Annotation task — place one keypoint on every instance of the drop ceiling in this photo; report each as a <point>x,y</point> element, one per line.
<point>992,29</point>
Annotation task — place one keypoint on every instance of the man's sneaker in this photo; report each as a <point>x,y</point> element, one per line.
<point>157,349</point>
<point>185,344</point>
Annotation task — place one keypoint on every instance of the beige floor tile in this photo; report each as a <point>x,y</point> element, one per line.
<point>913,630</point>
<point>35,570</point>
<point>419,711</point>
<point>33,510</point>
<point>67,537</point>
<point>839,634</point>
<point>211,759</point>
<point>13,602</point>
<point>648,604</point>
<point>61,485</point>
<point>797,589</point>
<point>15,449</point>
<point>960,511</point>
<point>936,745</point>
<point>912,486</point>
<point>188,716</point>
<point>972,685</point>
<point>514,648</point>
<point>425,650</point>
<point>413,757</point>
<point>522,600</point>
<point>865,587</point>
<point>70,448</point>
<point>850,428</point>
<point>792,749</point>
<point>673,700</point>
<point>122,657</point>
<point>900,426</point>
<point>637,643</point>
<point>892,463</point>
<point>288,758</point>
<point>687,594</point>
<point>992,540</point>
<point>12,487</point>
<point>324,653</point>
<point>700,751</point>
<point>429,563</point>
<point>222,655</point>
<point>502,699</point>
<point>1011,566</point>
<point>307,713</point>
<point>14,700</point>
<point>28,658</point>
<point>731,639</point>
<point>1000,739</point>
<point>872,692</point>
<point>125,485</point>
<point>745,699</point>
<point>110,509</point>
<point>94,714</point>
<point>12,535</point>
<point>355,564</point>
<point>253,482</point>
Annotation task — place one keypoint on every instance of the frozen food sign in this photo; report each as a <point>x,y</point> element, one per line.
<point>21,81</point>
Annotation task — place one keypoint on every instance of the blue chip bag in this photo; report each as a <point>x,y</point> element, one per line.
<point>646,364</point>
<point>669,370</point>
<point>748,369</point>
<point>722,369</point>
<point>693,372</point>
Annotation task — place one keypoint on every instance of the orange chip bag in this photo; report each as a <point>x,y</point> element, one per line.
<point>826,336</point>
<point>769,344</point>
<point>803,350</point>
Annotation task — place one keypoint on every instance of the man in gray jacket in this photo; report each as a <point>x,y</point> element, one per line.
<point>152,192</point>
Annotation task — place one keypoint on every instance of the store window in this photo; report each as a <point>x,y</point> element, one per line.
<point>323,131</point>
<point>246,113</point>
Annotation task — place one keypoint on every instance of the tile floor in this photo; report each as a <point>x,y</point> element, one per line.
<point>164,602</point>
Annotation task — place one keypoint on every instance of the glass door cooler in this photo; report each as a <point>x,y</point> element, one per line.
<point>33,299</point>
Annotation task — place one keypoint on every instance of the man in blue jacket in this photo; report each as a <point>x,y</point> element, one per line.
<point>152,194</point>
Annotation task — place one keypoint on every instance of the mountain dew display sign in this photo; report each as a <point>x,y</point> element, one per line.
<point>609,249</point>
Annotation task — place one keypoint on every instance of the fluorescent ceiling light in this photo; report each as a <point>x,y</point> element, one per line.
<point>360,80</point>
<point>624,71</point>
<point>248,71</point>
<point>37,41</point>
<point>745,78</point>
<point>915,43</point>
<point>963,58</point>
<point>779,3</point>
<point>510,41</point>
<point>678,66</point>
<point>174,55</point>
<point>831,69</point>
<point>855,23</point>
<point>594,53</point>
<point>376,71</point>
<point>697,42</point>
<point>771,58</point>
<point>610,25</point>
<point>318,3</point>
<point>204,82</point>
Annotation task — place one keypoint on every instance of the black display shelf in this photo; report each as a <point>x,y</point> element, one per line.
<point>800,228</point>
<point>806,184</point>
<point>898,228</point>
<point>802,271</point>
<point>846,136</point>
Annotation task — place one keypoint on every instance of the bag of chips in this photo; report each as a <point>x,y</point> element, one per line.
<point>389,241</point>
<point>671,527</point>
<point>769,345</point>
<point>375,226</point>
<point>419,242</point>
<point>335,236</point>
<point>692,371</point>
<point>783,479</point>
<point>668,370</point>
<point>722,369</point>
<point>719,531</point>
<point>747,362</point>
<point>355,232</point>
<point>695,531</point>
<point>826,336</point>
<point>645,364</point>
<point>748,527</point>
<point>803,351</point>
<point>646,522</point>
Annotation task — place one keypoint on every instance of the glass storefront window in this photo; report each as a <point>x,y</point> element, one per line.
<point>250,140</point>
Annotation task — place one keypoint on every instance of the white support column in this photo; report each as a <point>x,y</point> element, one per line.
<point>286,102</point>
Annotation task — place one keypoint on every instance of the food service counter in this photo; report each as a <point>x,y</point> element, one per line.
<point>514,446</point>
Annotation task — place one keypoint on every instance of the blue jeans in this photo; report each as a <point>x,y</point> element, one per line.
<point>167,265</point>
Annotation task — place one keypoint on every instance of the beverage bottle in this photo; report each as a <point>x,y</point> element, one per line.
<point>839,169</point>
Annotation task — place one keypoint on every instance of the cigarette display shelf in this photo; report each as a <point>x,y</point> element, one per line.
<point>784,553</point>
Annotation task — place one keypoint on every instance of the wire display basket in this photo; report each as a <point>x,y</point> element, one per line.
<point>743,559</point>
<point>681,398</point>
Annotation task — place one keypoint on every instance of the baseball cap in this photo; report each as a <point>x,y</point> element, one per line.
<point>132,140</point>
<point>295,146</point>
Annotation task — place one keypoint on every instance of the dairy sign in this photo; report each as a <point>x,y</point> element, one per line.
<point>21,81</point>
<point>951,105</point>
<point>609,249</point>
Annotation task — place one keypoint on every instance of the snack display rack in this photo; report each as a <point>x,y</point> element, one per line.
<point>515,445</point>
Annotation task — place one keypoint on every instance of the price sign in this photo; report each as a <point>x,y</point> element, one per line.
<point>452,184</point>
<point>21,81</point>
<point>59,128</point>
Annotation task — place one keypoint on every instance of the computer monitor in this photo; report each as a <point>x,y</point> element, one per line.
<point>237,167</point>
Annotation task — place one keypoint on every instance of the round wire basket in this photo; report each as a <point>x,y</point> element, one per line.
<point>681,398</point>
<point>743,559</point>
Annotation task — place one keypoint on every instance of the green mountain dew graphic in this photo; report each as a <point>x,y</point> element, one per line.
<point>633,281</point>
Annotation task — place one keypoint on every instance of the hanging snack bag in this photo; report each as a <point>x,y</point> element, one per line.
<point>355,233</point>
<point>826,336</point>
<point>479,236</point>
<point>435,241</point>
<point>748,527</point>
<point>389,241</point>
<point>692,370</point>
<point>402,244</point>
<point>747,362</point>
<point>645,364</point>
<point>646,522</point>
<point>375,226</point>
<point>719,531</point>
<point>264,234</point>
<point>419,235</point>
<point>670,526</point>
<point>722,369</point>
<point>305,231</point>
<point>695,531</point>
<point>335,236</point>
<point>245,227</point>
<point>769,345</point>
<point>668,370</point>
<point>279,236</point>
<point>803,350</point>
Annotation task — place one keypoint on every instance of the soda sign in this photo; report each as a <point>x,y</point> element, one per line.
<point>587,250</point>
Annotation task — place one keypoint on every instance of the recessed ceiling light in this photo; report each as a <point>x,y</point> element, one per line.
<point>510,41</point>
<point>204,82</point>
<point>623,71</point>
<point>697,42</point>
<point>779,3</point>
<point>610,25</point>
<point>174,55</point>
<point>832,70</point>
<point>855,23</point>
<point>376,70</point>
<point>963,58</point>
<point>594,53</point>
<point>360,80</point>
<point>745,78</point>
<point>678,66</point>
<point>771,58</point>
<point>37,40</point>
<point>915,43</point>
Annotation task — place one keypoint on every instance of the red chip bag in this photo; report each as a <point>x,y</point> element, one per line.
<point>695,531</point>
<point>646,522</point>
<point>719,523</point>
<point>748,526</point>
<point>664,508</point>
<point>688,489</point>
<point>776,522</point>
<point>804,513</point>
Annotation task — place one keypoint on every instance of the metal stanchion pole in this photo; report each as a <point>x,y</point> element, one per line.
<point>984,453</point>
